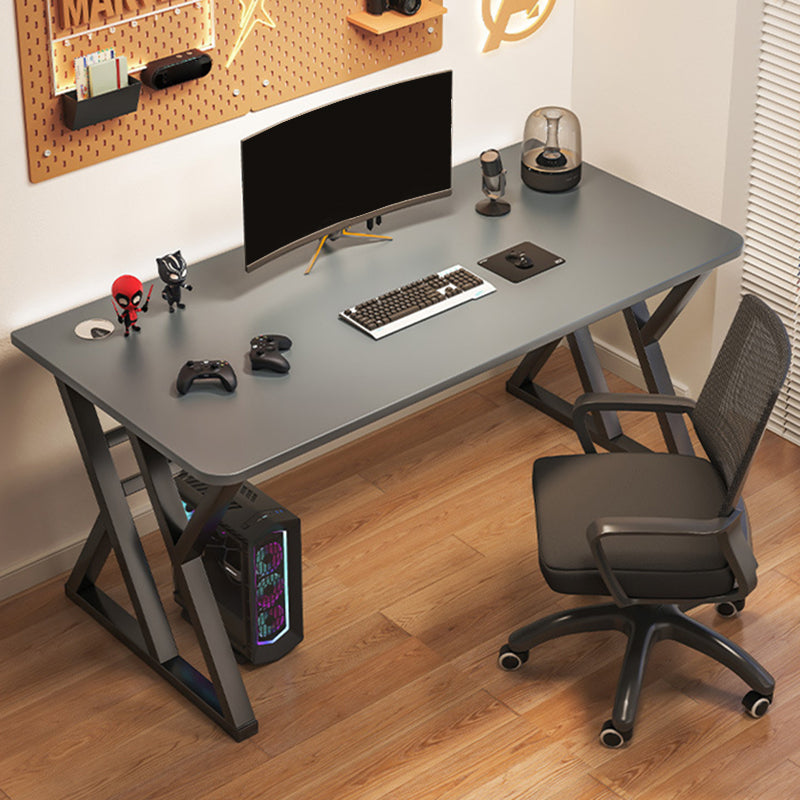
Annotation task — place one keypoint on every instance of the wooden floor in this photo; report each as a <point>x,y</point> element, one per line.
<point>419,559</point>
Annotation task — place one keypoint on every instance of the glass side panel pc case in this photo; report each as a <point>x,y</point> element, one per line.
<point>353,160</point>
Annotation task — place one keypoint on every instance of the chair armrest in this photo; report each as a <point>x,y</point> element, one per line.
<point>617,401</point>
<point>730,531</point>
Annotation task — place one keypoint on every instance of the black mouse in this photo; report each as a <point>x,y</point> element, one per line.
<point>519,259</point>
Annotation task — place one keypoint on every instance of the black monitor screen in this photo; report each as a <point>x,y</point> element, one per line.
<point>353,160</point>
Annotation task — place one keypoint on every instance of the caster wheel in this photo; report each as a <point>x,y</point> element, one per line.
<point>508,660</point>
<point>730,608</point>
<point>612,738</point>
<point>757,704</point>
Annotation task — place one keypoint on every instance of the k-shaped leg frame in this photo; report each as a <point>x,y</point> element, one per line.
<point>147,633</point>
<point>645,331</point>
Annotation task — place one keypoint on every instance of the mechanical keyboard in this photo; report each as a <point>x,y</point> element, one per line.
<point>418,300</point>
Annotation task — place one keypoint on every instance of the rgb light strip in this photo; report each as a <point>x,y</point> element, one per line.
<point>270,574</point>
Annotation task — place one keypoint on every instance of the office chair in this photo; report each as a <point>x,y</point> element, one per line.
<point>661,533</point>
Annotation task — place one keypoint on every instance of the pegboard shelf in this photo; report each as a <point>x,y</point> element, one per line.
<point>393,21</point>
<point>81,113</point>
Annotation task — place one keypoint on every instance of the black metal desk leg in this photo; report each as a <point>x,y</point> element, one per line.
<point>521,384</point>
<point>606,430</point>
<point>646,330</point>
<point>92,559</point>
<point>149,632</point>
<point>607,427</point>
<point>225,698</point>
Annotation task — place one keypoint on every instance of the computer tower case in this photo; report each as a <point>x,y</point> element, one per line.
<point>253,562</point>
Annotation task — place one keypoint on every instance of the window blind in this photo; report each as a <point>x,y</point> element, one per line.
<point>772,236</point>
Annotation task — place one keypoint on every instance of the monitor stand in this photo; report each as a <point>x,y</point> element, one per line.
<point>332,236</point>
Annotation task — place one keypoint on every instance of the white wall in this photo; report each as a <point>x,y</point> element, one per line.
<point>654,88</point>
<point>51,262</point>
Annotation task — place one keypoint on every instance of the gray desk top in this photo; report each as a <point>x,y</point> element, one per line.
<point>621,245</point>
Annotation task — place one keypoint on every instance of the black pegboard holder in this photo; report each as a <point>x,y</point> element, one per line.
<point>82,113</point>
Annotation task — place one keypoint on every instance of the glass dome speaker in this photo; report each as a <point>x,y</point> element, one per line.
<point>551,150</point>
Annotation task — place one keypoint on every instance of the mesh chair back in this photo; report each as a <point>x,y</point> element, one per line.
<point>740,392</point>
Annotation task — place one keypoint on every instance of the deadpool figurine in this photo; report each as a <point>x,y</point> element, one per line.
<point>127,291</point>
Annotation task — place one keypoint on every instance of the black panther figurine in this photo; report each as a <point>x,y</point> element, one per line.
<point>172,270</point>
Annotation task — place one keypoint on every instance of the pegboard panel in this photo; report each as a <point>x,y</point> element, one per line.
<point>303,56</point>
<point>264,52</point>
<point>141,38</point>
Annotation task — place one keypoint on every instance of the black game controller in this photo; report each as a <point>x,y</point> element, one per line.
<point>265,352</point>
<point>192,371</point>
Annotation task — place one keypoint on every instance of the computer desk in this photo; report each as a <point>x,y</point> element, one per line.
<point>621,245</point>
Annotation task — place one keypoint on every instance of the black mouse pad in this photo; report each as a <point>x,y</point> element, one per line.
<point>523,260</point>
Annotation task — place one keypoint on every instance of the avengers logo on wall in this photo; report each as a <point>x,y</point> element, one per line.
<point>512,20</point>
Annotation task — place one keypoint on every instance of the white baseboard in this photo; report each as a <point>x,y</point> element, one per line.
<point>39,571</point>
<point>61,561</point>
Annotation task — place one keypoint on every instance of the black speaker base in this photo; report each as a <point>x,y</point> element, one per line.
<point>551,181</point>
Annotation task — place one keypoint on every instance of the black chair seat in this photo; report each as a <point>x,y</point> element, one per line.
<point>572,491</point>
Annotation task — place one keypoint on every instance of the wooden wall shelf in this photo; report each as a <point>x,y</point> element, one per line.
<point>394,21</point>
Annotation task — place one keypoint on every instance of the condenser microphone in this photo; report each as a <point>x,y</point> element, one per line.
<point>493,184</point>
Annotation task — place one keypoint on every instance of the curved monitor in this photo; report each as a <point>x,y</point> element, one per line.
<point>350,161</point>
